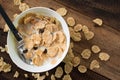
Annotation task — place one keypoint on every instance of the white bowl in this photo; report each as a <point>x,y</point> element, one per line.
<point>11,42</point>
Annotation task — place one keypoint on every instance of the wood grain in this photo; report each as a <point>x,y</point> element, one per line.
<point>107,37</point>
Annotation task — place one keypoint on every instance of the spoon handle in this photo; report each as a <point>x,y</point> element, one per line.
<point>10,24</point>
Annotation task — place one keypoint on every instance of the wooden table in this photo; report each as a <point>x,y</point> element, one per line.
<point>107,37</point>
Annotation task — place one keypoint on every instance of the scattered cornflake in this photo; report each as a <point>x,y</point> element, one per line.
<point>98,21</point>
<point>53,77</point>
<point>62,11</point>
<point>26,75</point>
<point>6,28</point>
<point>68,67</point>
<point>6,67</point>
<point>3,50</point>
<point>94,64</point>
<point>6,48</point>
<point>70,53</point>
<point>89,35</point>
<point>82,68</point>
<point>47,73</point>
<point>104,56</point>
<point>59,72</point>
<point>16,75</point>
<point>85,28</point>
<point>86,53</point>
<point>23,7</point>
<point>36,75</point>
<point>15,15</point>
<point>76,61</point>
<point>41,77</point>
<point>17,2</point>
<point>95,49</point>
<point>78,27</point>
<point>70,21</point>
<point>67,77</point>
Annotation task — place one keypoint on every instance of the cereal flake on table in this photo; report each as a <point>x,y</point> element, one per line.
<point>59,72</point>
<point>70,21</point>
<point>15,15</point>
<point>16,75</point>
<point>95,49</point>
<point>47,73</point>
<point>78,27</point>
<point>62,11</point>
<point>86,53</point>
<point>52,77</point>
<point>6,28</point>
<point>67,77</point>
<point>17,2</point>
<point>104,56</point>
<point>98,21</point>
<point>68,67</point>
<point>23,7</point>
<point>82,69</point>
<point>76,61</point>
<point>85,28</point>
<point>94,64</point>
<point>89,35</point>
<point>26,75</point>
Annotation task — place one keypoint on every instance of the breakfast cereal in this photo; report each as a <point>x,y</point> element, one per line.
<point>104,56</point>
<point>94,64</point>
<point>62,11</point>
<point>42,32</point>
<point>59,72</point>
<point>85,28</point>
<point>68,67</point>
<point>6,28</point>
<point>78,27</point>
<point>47,73</point>
<point>76,61</point>
<point>89,35</point>
<point>16,75</point>
<point>95,49</point>
<point>70,21</point>
<point>23,7</point>
<point>15,15</point>
<point>67,77</point>
<point>53,77</point>
<point>17,2</point>
<point>82,68</point>
<point>86,53</point>
<point>26,75</point>
<point>98,21</point>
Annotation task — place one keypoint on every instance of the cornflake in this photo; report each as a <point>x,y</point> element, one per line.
<point>78,27</point>
<point>68,67</point>
<point>86,53</point>
<point>6,48</point>
<point>85,28</point>
<point>6,28</point>
<point>82,69</point>
<point>94,64</point>
<point>6,67</point>
<point>15,15</point>
<point>16,75</point>
<point>23,7</point>
<point>17,2</point>
<point>59,72</point>
<point>47,73</point>
<point>41,77</point>
<point>62,11</point>
<point>70,21</point>
<point>26,75</point>
<point>104,56</point>
<point>95,49</point>
<point>76,36</point>
<point>98,21</point>
<point>67,77</point>
<point>89,35</point>
<point>53,77</point>
<point>76,61</point>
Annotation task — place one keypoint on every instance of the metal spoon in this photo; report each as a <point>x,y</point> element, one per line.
<point>20,45</point>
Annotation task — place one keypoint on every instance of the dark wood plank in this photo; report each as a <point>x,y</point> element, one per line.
<point>106,37</point>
